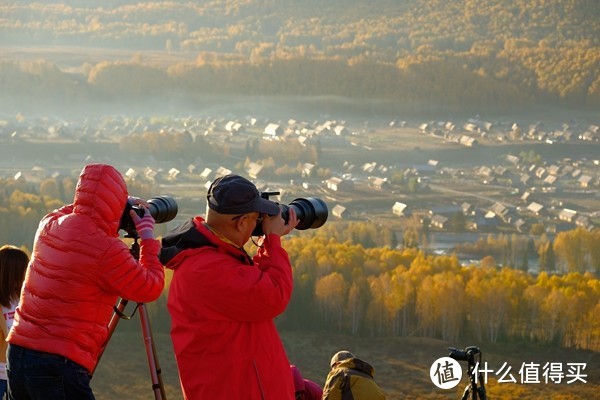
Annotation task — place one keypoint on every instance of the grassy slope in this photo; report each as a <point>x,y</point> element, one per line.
<point>402,365</point>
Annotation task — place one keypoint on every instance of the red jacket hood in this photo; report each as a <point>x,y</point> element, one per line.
<point>101,194</point>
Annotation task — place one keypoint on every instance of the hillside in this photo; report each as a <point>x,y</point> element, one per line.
<point>439,56</point>
<point>401,366</point>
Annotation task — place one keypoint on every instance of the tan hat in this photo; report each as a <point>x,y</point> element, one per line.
<point>340,356</point>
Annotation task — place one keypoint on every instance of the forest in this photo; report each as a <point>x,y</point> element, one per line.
<point>352,279</point>
<point>383,292</point>
<point>421,56</point>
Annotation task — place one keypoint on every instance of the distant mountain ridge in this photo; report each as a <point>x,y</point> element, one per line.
<point>475,20</point>
<point>451,55</point>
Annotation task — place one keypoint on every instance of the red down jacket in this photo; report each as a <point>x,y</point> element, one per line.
<point>78,270</point>
<point>222,306</point>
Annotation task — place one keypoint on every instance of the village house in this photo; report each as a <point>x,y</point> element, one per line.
<point>205,174</point>
<point>151,174</point>
<point>378,183</point>
<point>234,127</point>
<point>131,173</point>
<point>222,171</point>
<point>485,220</point>
<point>535,208</point>
<point>524,179</point>
<point>520,225</point>
<point>340,211</point>
<point>336,184</point>
<point>255,170</point>
<point>369,167</point>
<point>173,174</point>
<point>567,215</point>
<point>399,209</point>
<point>273,130</point>
<point>585,181</point>
<point>550,180</point>
<point>308,170</point>
<point>467,208</point>
<point>584,222</point>
<point>503,212</point>
<point>439,221</point>
<point>341,130</point>
<point>540,172</point>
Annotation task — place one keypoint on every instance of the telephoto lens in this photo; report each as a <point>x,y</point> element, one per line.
<point>312,213</point>
<point>163,208</point>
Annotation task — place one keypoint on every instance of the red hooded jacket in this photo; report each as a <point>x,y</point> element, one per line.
<point>222,306</point>
<point>78,270</point>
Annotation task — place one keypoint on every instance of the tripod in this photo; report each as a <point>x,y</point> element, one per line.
<point>475,389</point>
<point>155,372</point>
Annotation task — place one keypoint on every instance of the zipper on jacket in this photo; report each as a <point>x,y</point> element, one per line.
<point>262,395</point>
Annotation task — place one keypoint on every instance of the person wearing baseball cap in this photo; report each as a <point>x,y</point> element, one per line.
<point>222,301</point>
<point>233,194</point>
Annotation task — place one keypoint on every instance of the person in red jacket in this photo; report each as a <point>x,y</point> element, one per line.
<point>222,302</point>
<point>305,388</point>
<point>78,269</point>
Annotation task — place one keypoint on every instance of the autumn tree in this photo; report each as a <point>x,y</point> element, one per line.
<point>570,248</point>
<point>331,291</point>
<point>546,257</point>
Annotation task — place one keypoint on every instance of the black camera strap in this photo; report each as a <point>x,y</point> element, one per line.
<point>185,236</point>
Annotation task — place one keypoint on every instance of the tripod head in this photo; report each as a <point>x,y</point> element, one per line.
<point>476,386</point>
<point>468,354</point>
<point>134,249</point>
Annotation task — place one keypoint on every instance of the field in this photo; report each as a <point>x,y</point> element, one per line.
<point>401,366</point>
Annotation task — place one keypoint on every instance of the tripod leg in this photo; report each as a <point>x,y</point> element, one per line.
<point>465,395</point>
<point>155,372</point>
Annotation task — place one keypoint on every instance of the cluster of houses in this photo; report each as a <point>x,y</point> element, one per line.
<point>530,193</point>
<point>525,195</point>
<point>475,129</point>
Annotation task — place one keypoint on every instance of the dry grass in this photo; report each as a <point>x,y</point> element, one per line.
<point>401,364</point>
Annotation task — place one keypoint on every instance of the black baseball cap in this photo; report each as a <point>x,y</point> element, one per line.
<point>233,194</point>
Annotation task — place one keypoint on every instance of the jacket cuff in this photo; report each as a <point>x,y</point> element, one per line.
<point>272,239</point>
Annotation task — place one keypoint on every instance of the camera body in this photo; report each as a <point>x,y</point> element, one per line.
<point>162,209</point>
<point>312,212</point>
<point>468,354</point>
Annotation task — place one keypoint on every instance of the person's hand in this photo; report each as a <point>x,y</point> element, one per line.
<point>145,225</point>
<point>275,224</point>
<point>136,201</point>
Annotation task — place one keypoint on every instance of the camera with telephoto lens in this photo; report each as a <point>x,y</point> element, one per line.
<point>468,354</point>
<point>312,212</point>
<point>162,209</point>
